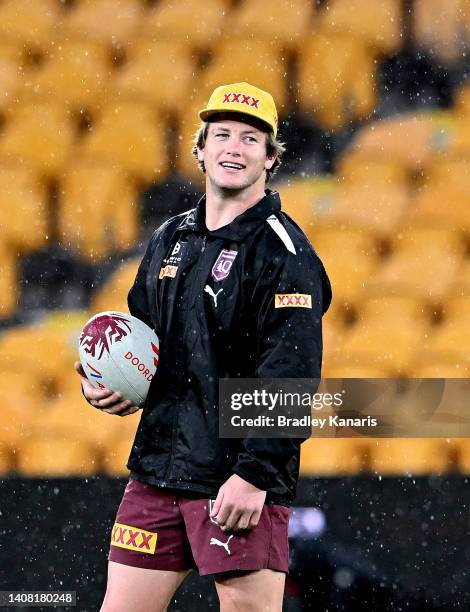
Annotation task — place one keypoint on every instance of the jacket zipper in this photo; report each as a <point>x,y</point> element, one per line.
<point>175,416</point>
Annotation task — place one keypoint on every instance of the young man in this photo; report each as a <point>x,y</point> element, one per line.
<point>211,284</point>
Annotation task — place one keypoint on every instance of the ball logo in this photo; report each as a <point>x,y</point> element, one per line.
<point>103,331</point>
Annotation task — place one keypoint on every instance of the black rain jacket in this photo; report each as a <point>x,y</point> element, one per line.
<point>210,297</point>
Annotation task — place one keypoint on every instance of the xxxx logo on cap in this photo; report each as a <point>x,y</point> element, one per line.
<point>243,98</point>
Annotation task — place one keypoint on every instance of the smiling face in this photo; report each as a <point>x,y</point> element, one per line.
<point>235,156</point>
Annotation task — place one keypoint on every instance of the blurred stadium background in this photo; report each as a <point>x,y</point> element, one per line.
<point>98,106</point>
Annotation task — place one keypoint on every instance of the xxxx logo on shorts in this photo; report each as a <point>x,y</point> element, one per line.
<point>292,300</point>
<point>134,538</point>
<point>169,271</point>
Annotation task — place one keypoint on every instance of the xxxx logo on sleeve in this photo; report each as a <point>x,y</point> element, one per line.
<point>292,300</point>
<point>134,538</point>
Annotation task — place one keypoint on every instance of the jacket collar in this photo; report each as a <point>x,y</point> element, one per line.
<point>241,226</point>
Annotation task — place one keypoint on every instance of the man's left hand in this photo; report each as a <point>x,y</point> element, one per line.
<point>238,505</point>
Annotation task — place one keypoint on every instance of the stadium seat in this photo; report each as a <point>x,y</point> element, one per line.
<point>56,457</point>
<point>378,24</point>
<point>23,202</point>
<point>11,74</point>
<point>40,135</point>
<point>113,294</point>
<point>130,135</point>
<point>307,200</point>
<point>28,21</point>
<point>98,212</point>
<point>8,281</point>
<point>462,101</point>
<point>415,456</point>
<point>424,264</point>
<point>199,25</point>
<point>355,168</point>
<point>115,457</point>
<point>332,457</point>
<point>374,206</point>
<point>409,139</point>
<point>107,21</point>
<point>75,72</point>
<point>158,71</point>
<point>256,61</point>
<point>433,367</point>
<point>349,256</point>
<point>336,74</point>
<point>443,200</point>
<point>355,371</point>
<point>284,22</point>
<point>439,28</point>
<point>463,454</point>
<point>388,334</point>
<point>45,364</point>
<point>188,124</point>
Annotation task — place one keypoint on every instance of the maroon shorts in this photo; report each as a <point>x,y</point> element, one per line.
<point>157,529</point>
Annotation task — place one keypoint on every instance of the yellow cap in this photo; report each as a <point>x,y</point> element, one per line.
<point>242,98</point>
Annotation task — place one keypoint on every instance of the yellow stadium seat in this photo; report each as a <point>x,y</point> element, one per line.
<point>11,74</point>
<point>336,74</point>
<point>462,101</point>
<point>332,457</point>
<point>98,212</point>
<point>75,72</point>
<point>256,61</point>
<point>130,135</point>
<point>115,457</point>
<point>349,256</point>
<point>355,371</point>
<point>107,21</point>
<point>424,264</point>
<point>439,27</point>
<point>199,25</point>
<point>40,135</point>
<point>463,453</point>
<point>356,168</point>
<point>56,457</point>
<point>113,294</point>
<point>378,24</point>
<point>387,335</point>
<point>284,22</point>
<point>444,198</point>
<point>43,353</point>
<point>434,367</point>
<point>308,200</point>
<point>23,202</point>
<point>189,123</point>
<point>29,21</point>
<point>7,461</point>
<point>158,71</point>
<point>415,456</point>
<point>372,206</point>
<point>8,281</point>
<point>409,139</point>
<point>462,279</point>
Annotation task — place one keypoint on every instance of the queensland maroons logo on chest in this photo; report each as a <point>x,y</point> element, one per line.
<point>103,331</point>
<point>223,264</point>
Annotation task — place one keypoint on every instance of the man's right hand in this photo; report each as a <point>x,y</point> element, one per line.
<point>104,399</point>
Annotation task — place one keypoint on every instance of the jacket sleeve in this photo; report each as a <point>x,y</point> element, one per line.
<point>289,345</point>
<point>137,298</point>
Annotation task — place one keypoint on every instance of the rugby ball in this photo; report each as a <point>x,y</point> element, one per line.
<point>120,352</point>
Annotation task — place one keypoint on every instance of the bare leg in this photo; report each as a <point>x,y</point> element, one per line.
<point>258,591</point>
<point>138,589</point>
